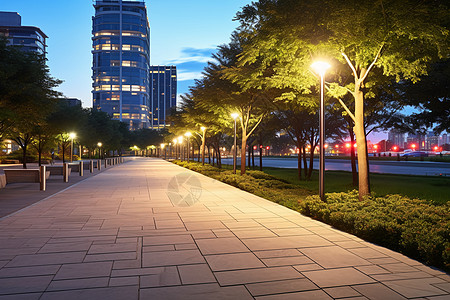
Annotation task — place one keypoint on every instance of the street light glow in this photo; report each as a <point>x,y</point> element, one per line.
<point>174,141</point>
<point>320,67</point>
<point>99,144</point>
<point>202,128</point>
<point>188,134</point>
<point>235,116</point>
<point>180,139</point>
<point>162,146</point>
<point>72,135</point>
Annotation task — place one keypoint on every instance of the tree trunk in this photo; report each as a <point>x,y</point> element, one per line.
<point>24,155</point>
<point>63,152</point>
<point>249,153</point>
<point>363,168</point>
<point>243,151</point>
<point>209,156</point>
<point>311,162</point>
<point>353,157</point>
<point>299,160</point>
<point>253,158</point>
<point>305,164</point>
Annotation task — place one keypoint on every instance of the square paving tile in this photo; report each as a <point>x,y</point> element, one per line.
<point>234,261</point>
<point>193,274</point>
<point>342,292</point>
<point>337,277</point>
<point>221,246</point>
<point>334,257</point>
<point>416,287</point>
<point>256,275</point>
<point>166,277</point>
<point>84,270</point>
<point>308,295</point>
<point>110,293</point>
<point>278,287</point>
<point>287,261</point>
<point>274,243</point>
<point>84,283</point>
<point>196,292</point>
<point>171,258</point>
<point>17,285</point>
<point>377,291</point>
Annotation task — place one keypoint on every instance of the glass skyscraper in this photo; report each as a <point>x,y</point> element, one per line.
<point>121,60</point>
<point>163,95</point>
<point>29,38</point>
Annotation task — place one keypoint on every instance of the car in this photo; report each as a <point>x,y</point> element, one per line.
<point>415,154</point>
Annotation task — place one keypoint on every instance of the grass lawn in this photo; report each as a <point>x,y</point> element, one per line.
<point>436,189</point>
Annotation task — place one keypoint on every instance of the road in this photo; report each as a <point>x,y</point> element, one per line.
<point>389,167</point>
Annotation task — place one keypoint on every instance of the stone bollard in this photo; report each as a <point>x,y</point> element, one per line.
<point>66,172</point>
<point>99,165</point>
<point>106,163</point>
<point>43,179</point>
<point>81,168</point>
<point>91,166</point>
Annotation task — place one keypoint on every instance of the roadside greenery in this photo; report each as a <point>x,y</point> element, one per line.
<point>414,227</point>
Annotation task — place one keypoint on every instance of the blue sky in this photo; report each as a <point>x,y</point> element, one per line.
<point>183,33</point>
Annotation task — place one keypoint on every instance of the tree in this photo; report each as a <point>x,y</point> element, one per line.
<point>26,95</point>
<point>397,37</point>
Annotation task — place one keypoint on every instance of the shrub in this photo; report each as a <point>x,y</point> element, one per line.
<point>411,226</point>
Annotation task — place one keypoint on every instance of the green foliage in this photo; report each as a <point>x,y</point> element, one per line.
<point>411,226</point>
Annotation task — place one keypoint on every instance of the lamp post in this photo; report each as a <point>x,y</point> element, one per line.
<point>188,135</point>
<point>203,129</point>
<point>163,148</point>
<point>99,144</point>
<point>175,146</point>
<point>234,116</point>
<point>321,67</point>
<point>180,142</point>
<point>72,135</point>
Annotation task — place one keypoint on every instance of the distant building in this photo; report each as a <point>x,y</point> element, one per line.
<point>397,138</point>
<point>418,140</point>
<point>121,60</point>
<point>71,101</point>
<point>443,140</point>
<point>163,94</point>
<point>30,38</point>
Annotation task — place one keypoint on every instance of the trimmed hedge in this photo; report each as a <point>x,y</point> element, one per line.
<point>410,226</point>
<point>414,227</point>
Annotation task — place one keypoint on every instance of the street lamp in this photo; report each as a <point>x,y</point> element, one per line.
<point>234,116</point>
<point>188,135</point>
<point>175,146</point>
<point>203,129</point>
<point>321,67</point>
<point>180,141</point>
<point>99,144</point>
<point>72,135</point>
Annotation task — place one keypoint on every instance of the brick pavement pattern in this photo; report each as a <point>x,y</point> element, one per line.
<point>149,229</point>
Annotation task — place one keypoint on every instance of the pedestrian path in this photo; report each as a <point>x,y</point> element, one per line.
<point>149,229</point>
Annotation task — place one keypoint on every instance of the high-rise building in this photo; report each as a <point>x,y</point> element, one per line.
<point>396,138</point>
<point>121,60</point>
<point>163,97</point>
<point>30,38</point>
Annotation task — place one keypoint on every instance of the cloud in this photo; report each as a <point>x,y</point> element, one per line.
<point>193,55</point>
<point>184,75</point>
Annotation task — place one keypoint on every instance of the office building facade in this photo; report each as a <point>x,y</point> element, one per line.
<point>396,138</point>
<point>121,60</point>
<point>29,38</point>
<point>163,85</point>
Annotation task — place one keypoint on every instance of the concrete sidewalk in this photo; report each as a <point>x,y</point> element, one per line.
<point>149,229</point>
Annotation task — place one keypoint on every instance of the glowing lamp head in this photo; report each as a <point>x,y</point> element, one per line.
<point>180,139</point>
<point>162,146</point>
<point>436,148</point>
<point>320,67</point>
<point>336,146</point>
<point>203,128</point>
<point>235,116</point>
<point>72,135</point>
<point>188,134</point>
<point>413,146</point>
<point>395,148</point>
<point>347,145</point>
<point>375,147</point>
<point>99,144</point>
<point>174,141</point>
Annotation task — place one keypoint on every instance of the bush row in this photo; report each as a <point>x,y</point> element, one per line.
<point>411,226</point>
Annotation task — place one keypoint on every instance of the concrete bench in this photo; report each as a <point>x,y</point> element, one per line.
<point>23,175</point>
<point>57,170</point>
<point>75,167</point>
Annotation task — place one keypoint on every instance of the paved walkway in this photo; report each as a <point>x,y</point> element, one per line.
<point>149,229</point>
